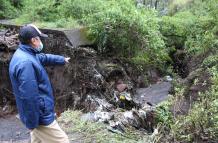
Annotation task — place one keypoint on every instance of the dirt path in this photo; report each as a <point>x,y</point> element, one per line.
<point>12,130</point>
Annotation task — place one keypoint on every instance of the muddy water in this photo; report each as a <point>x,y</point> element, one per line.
<point>154,94</point>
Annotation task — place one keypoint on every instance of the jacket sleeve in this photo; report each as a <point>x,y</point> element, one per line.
<point>28,89</point>
<point>49,59</point>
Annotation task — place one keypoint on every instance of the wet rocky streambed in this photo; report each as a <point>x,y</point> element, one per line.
<point>106,89</point>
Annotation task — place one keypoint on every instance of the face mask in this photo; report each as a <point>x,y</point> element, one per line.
<point>40,47</point>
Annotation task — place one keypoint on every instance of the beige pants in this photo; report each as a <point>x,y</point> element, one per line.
<point>49,134</point>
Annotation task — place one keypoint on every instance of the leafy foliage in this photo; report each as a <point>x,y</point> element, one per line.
<point>193,27</point>
<point>126,31</point>
<point>201,121</point>
<point>7,10</point>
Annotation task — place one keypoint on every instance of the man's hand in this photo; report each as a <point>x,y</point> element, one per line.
<point>67,59</point>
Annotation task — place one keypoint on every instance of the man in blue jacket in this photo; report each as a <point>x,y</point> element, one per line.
<point>32,88</point>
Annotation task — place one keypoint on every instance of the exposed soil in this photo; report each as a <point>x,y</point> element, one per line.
<point>88,79</point>
<point>12,130</point>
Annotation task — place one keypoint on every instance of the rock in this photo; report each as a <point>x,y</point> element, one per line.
<point>115,130</point>
<point>116,127</point>
<point>153,75</point>
<point>121,87</point>
<point>111,71</point>
<point>103,116</point>
<point>78,37</point>
<point>88,117</point>
<point>168,78</point>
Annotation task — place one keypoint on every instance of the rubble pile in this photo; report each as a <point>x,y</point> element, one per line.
<point>102,87</point>
<point>8,44</point>
<point>8,40</point>
<point>106,93</point>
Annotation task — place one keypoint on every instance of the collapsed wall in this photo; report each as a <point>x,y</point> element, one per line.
<point>88,74</point>
<point>8,44</point>
<point>94,83</point>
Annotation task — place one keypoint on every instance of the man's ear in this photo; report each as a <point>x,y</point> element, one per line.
<point>32,42</point>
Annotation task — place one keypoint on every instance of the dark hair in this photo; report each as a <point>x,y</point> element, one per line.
<point>23,40</point>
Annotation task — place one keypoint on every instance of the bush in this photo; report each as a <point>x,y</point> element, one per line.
<point>176,28</point>
<point>186,31</point>
<point>118,27</point>
<point>125,31</point>
<point>38,10</point>
<point>7,10</point>
<point>201,123</point>
<point>210,61</point>
<point>193,27</point>
<point>79,9</point>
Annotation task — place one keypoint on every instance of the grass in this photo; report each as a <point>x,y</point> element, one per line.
<point>86,131</point>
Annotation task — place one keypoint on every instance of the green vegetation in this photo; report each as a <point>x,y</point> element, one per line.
<point>125,31</point>
<point>7,10</point>
<point>118,28</point>
<point>121,29</point>
<point>193,28</point>
<point>200,123</point>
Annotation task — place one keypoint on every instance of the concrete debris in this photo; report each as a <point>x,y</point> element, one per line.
<point>117,127</point>
<point>118,119</point>
<point>168,78</point>
<point>121,87</point>
<point>103,116</point>
<point>98,116</point>
<point>8,40</point>
<point>88,117</point>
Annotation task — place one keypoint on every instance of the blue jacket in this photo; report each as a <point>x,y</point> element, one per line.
<point>31,85</point>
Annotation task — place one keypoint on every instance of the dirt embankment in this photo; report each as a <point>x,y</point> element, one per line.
<point>94,83</point>
<point>8,45</point>
<point>88,73</point>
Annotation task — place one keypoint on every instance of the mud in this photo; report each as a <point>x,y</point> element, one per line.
<point>154,94</point>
